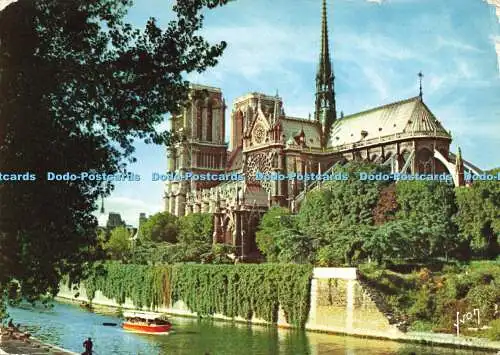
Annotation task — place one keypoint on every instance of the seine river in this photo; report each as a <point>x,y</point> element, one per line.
<point>67,326</point>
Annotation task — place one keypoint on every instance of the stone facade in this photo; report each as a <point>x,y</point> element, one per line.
<point>404,134</point>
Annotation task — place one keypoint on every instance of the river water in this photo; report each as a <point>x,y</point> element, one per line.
<point>67,326</point>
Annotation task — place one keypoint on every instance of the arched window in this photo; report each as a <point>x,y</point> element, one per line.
<point>425,161</point>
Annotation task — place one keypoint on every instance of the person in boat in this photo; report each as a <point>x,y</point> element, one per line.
<point>88,345</point>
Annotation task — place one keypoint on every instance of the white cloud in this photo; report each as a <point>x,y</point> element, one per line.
<point>377,82</point>
<point>464,70</point>
<point>434,83</point>
<point>496,41</point>
<point>458,73</point>
<point>373,46</point>
<point>455,118</point>
<point>485,130</point>
<point>256,49</point>
<point>376,1</point>
<point>454,43</point>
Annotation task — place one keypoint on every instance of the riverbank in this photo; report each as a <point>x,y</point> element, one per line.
<point>335,301</point>
<point>64,324</point>
<point>32,346</point>
<point>418,338</point>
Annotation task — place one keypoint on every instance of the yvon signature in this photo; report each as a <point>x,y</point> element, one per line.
<point>472,316</point>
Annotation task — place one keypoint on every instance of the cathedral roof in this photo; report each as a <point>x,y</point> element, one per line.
<point>293,126</point>
<point>407,118</point>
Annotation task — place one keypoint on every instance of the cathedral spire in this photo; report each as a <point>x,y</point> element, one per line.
<point>325,96</point>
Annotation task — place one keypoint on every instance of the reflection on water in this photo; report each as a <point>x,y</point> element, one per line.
<point>68,326</point>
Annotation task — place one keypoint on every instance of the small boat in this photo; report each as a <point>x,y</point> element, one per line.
<point>146,323</point>
<point>108,324</point>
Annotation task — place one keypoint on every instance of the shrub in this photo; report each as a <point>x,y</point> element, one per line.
<point>423,305</point>
<point>330,256</point>
<point>484,297</point>
<point>494,332</point>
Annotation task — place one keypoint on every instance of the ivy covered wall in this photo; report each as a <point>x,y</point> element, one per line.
<point>244,290</point>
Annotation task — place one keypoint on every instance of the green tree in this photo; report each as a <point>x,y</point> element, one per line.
<point>337,218</point>
<point>78,87</point>
<point>396,239</point>
<point>429,208</point>
<point>196,228</point>
<point>270,226</point>
<point>160,227</point>
<point>294,247</point>
<point>341,204</point>
<point>346,246</point>
<point>192,235</point>
<point>119,244</point>
<point>478,216</point>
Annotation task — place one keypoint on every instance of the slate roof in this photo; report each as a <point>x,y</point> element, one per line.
<point>408,117</point>
<point>292,127</point>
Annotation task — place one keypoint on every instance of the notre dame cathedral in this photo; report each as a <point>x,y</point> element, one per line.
<point>404,134</point>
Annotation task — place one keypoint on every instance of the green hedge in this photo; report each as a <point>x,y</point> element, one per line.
<point>231,290</point>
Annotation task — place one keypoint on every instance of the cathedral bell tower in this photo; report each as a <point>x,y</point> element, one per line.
<point>325,113</point>
<point>201,150</point>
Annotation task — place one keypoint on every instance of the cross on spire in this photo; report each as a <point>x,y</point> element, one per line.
<point>420,76</point>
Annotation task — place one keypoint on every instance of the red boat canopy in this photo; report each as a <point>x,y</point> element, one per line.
<point>141,315</point>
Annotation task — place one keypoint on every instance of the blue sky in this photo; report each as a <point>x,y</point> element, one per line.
<point>377,47</point>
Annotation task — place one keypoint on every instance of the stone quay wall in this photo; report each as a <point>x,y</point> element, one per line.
<point>338,305</point>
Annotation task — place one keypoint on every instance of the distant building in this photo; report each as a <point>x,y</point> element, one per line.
<point>142,219</point>
<point>114,220</point>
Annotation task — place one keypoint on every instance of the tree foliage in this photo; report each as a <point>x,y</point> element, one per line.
<point>337,218</point>
<point>428,207</point>
<point>479,215</point>
<point>166,239</point>
<point>270,226</point>
<point>119,244</point>
<point>196,228</point>
<point>387,205</point>
<point>160,227</point>
<point>341,203</point>
<point>347,222</point>
<point>78,86</point>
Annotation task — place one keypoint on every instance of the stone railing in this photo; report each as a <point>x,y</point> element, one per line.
<point>392,137</point>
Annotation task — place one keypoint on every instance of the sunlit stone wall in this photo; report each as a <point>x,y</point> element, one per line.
<point>338,304</point>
